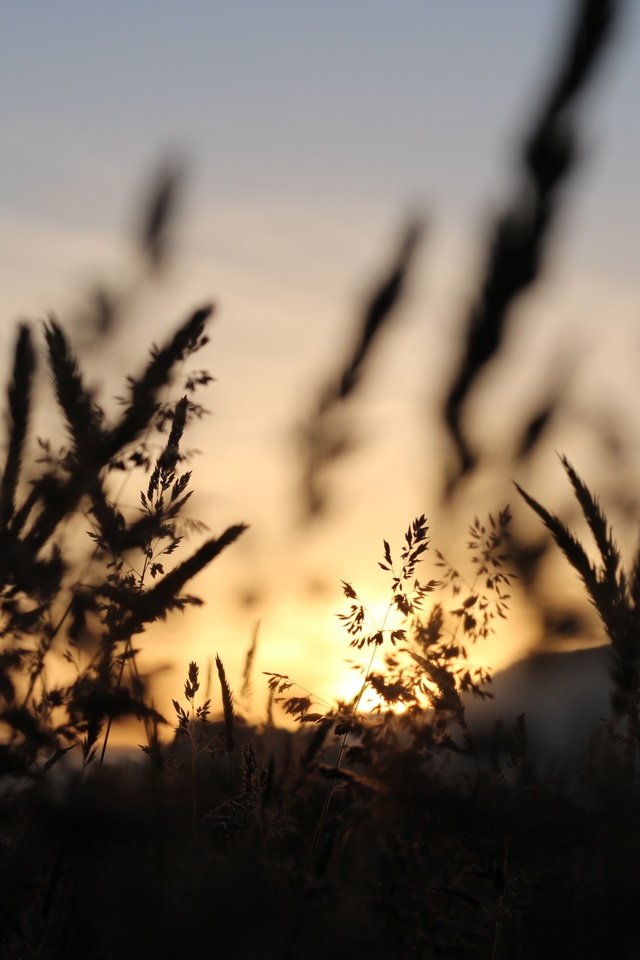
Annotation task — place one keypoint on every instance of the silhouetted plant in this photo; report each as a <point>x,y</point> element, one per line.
<point>384,831</point>
<point>97,612</point>
<point>614,593</point>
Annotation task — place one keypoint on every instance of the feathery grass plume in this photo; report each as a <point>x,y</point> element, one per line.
<point>172,449</point>
<point>322,440</point>
<point>164,595</point>
<point>227,705</point>
<point>522,233</point>
<point>248,662</point>
<point>377,314</point>
<point>142,405</point>
<point>77,404</point>
<point>610,591</point>
<point>19,402</point>
<point>159,214</point>
<point>190,722</point>
<point>192,684</point>
<point>141,409</point>
<point>597,524</point>
<point>130,607</point>
<point>168,459</point>
<point>570,546</point>
<point>606,586</point>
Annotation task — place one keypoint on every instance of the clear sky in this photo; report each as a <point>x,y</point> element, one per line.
<point>309,132</point>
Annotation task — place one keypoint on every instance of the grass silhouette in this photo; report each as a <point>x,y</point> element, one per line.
<point>395,831</point>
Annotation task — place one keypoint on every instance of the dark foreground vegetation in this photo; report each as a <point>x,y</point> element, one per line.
<point>404,831</point>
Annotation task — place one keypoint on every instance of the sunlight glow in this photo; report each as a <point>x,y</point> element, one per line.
<point>382,615</point>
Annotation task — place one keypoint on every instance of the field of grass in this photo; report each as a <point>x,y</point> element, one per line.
<point>388,826</point>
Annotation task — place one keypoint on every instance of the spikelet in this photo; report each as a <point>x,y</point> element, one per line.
<point>227,705</point>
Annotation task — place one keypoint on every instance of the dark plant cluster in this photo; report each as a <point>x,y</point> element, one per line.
<point>389,826</point>
<point>57,601</point>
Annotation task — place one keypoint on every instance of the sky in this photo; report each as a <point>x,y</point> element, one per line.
<point>309,133</point>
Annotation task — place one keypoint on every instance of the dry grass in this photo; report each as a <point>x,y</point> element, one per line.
<point>379,833</point>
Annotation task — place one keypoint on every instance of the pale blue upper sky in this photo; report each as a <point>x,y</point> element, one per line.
<point>380,101</point>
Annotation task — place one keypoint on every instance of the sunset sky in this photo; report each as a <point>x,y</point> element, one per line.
<point>309,133</point>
